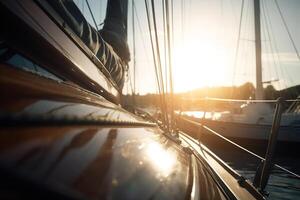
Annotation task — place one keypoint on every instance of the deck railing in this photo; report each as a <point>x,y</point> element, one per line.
<point>264,171</point>
<point>240,147</point>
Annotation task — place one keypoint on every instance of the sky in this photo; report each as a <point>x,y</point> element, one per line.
<point>204,44</point>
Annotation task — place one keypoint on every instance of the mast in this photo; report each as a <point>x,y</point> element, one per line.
<point>259,85</point>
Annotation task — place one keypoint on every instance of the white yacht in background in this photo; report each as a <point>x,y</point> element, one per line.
<point>254,121</point>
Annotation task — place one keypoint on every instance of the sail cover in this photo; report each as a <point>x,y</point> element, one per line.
<point>115,27</point>
<point>113,51</point>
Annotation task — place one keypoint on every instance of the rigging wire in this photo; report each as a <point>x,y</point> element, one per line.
<point>188,18</point>
<point>233,10</point>
<point>267,28</point>
<point>267,63</point>
<point>155,61</point>
<point>234,70</point>
<point>152,46</point>
<point>168,20</point>
<point>100,8</point>
<point>159,59</point>
<point>142,40</point>
<point>129,80</point>
<point>172,20</point>
<point>238,41</point>
<point>157,44</point>
<point>144,44</point>
<point>83,7</point>
<point>141,31</point>
<point>267,45</point>
<point>244,63</point>
<point>133,51</point>
<point>165,46</point>
<point>88,5</point>
<point>287,29</point>
<point>182,20</point>
<point>272,36</point>
<point>248,45</point>
<point>277,52</point>
<point>247,62</point>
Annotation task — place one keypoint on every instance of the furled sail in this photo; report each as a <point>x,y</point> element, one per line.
<point>111,49</point>
<point>115,27</point>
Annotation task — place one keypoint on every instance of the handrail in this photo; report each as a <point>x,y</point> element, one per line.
<point>240,147</point>
<point>240,100</point>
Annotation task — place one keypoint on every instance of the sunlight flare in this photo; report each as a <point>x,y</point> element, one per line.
<point>199,63</point>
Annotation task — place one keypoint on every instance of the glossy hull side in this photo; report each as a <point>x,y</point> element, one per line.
<point>98,162</point>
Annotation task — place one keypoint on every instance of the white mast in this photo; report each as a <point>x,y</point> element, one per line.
<point>259,85</point>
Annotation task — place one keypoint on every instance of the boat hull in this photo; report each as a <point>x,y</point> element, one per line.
<point>256,144</point>
<point>253,131</point>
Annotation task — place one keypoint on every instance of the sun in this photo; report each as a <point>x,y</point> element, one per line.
<point>199,63</point>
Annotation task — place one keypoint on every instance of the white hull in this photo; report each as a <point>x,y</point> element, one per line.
<point>252,131</point>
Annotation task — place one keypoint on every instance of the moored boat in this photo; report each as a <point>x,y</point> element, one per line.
<point>252,119</point>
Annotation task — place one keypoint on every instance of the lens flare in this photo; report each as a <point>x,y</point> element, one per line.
<point>163,160</point>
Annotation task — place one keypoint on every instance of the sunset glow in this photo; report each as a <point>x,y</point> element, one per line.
<point>195,65</point>
<point>204,44</point>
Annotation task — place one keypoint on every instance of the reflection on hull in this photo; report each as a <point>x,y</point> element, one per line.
<point>122,162</point>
